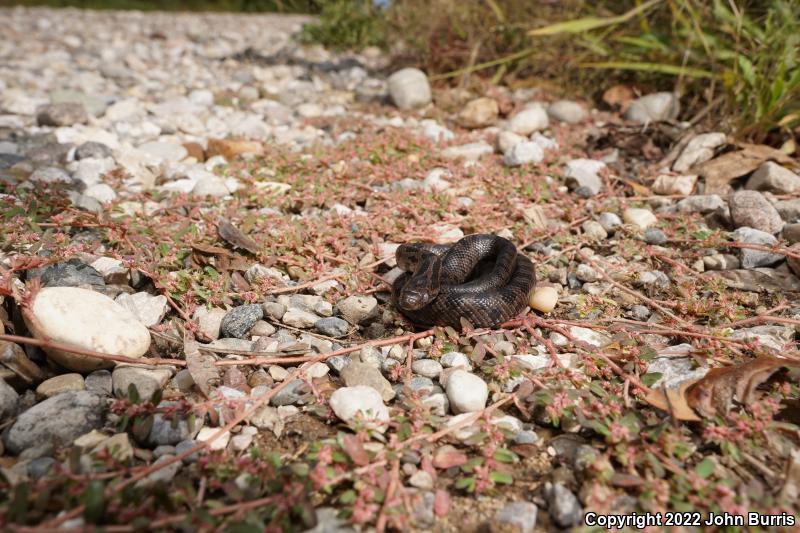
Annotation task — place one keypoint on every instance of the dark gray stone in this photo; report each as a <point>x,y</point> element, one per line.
<point>9,399</point>
<point>9,160</point>
<point>332,326</point>
<point>92,149</point>
<point>99,382</point>
<point>38,468</point>
<point>61,114</point>
<point>563,506</point>
<point>293,393</point>
<point>172,431</point>
<point>520,516</point>
<point>655,236</point>
<point>240,320</point>
<point>60,419</point>
<point>73,273</point>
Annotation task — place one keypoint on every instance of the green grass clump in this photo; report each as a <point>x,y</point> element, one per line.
<point>347,24</point>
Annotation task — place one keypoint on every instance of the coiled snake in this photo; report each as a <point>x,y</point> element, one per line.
<point>481,278</point>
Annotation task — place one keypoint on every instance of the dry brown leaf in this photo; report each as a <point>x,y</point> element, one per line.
<point>231,234</point>
<point>720,171</point>
<point>619,96</point>
<point>716,393</point>
<point>200,365</point>
<point>673,401</point>
<point>355,449</point>
<point>207,249</point>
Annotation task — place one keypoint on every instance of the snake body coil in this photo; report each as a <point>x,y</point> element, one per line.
<point>481,278</point>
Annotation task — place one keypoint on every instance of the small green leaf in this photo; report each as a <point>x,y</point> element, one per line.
<point>705,467</point>
<point>651,377</point>
<point>93,499</point>
<point>348,497</point>
<point>505,456</point>
<point>133,394</point>
<point>502,478</point>
<point>466,483</point>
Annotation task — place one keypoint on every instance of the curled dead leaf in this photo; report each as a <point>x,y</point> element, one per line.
<point>721,387</point>
<point>234,236</point>
<point>720,171</point>
<point>719,390</point>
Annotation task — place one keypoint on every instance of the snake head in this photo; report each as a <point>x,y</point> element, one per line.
<point>423,286</point>
<point>415,295</point>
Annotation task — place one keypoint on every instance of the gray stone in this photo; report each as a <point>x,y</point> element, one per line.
<point>8,401</point>
<point>756,258</point>
<point>609,221</point>
<point>40,467</point>
<point>162,476</point>
<point>72,273</point>
<point>94,106</point>
<point>92,150</point>
<point>523,153</point>
<point>238,322</point>
<point>409,88</point>
<point>655,236</point>
<point>295,391</point>
<point>358,309</point>
<point>456,360</point>
<point>517,517</point>
<point>567,111</point>
<point>171,430</point>
<point>357,373</point>
<point>789,210</point>
<point>58,420</point>
<point>429,368</point>
<point>702,204</point>
<point>653,108</point>
<point>584,173</point>
<point>751,209</point>
<point>562,505</point>
<point>300,318</point>
<point>62,114</point>
<point>594,230</point>
<point>328,521</point>
<point>146,379</point>
<point>99,382</point>
<point>209,320</point>
<point>529,120</point>
<point>62,383</point>
<point>50,175</point>
<point>773,178</point>
<point>332,326</point>
<point>699,150</point>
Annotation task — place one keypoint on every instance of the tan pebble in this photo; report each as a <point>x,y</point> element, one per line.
<point>544,299</point>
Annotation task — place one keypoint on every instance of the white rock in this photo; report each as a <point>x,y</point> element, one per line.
<point>468,152</point>
<point>456,360</point>
<point>149,309</point>
<point>164,151</point>
<point>544,299</point>
<point>435,132</point>
<point>428,368</point>
<point>209,320</point>
<point>434,180</point>
<point>567,111</point>
<point>409,88</point>
<point>654,107</point>
<point>506,140</point>
<point>350,403</point>
<point>299,318</point>
<point>112,270</point>
<point>528,120</point>
<point>699,150</point>
<point>589,336</point>
<point>584,173</point>
<point>467,392</point>
<point>523,153</point>
<point>220,443</point>
<point>774,178</point>
<point>544,142</point>
<point>101,192</point>
<point>643,218</point>
<point>89,320</point>
<point>358,309</point>
<point>669,185</point>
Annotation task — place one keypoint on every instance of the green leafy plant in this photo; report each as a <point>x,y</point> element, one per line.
<point>345,24</point>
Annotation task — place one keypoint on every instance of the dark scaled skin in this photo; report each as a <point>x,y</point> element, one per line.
<point>481,278</point>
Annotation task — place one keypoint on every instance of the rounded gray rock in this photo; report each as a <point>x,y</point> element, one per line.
<point>60,420</point>
<point>751,209</point>
<point>240,320</point>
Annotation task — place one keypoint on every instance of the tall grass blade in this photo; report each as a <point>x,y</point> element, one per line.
<point>590,23</point>
<point>661,68</point>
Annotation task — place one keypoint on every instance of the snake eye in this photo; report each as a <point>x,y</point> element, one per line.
<point>413,300</point>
